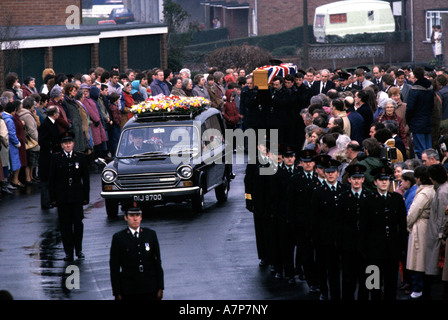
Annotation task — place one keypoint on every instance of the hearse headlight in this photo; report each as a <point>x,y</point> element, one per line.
<point>185,172</point>
<point>109,176</point>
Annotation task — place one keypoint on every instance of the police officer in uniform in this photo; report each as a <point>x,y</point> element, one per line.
<point>324,203</point>
<point>283,233</point>
<point>353,264</point>
<point>383,232</point>
<point>300,189</point>
<point>135,266</point>
<point>69,187</point>
<point>320,161</point>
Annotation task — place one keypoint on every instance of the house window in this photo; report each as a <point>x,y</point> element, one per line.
<point>338,18</point>
<point>432,18</point>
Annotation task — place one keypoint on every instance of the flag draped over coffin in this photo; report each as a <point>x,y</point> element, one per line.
<point>281,70</point>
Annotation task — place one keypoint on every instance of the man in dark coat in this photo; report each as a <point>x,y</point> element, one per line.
<point>49,144</point>
<point>357,129</point>
<point>135,265</point>
<point>323,85</point>
<point>276,108</point>
<point>251,106</point>
<point>257,194</point>
<point>383,234</point>
<point>324,208</point>
<point>363,108</point>
<point>353,264</point>
<point>419,110</point>
<point>69,185</point>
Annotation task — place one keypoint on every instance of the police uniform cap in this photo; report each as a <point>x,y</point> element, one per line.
<point>67,136</point>
<point>331,165</point>
<point>307,155</point>
<point>133,210</point>
<point>275,62</point>
<point>350,70</point>
<point>382,173</point>
<point>288,151</point>
<point>356,170</point>
<point>321,159</point>
<point>343,76</point>
<point>365,68</point>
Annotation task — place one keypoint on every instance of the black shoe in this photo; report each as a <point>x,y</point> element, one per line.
<point>314,289</point>
<point>80,256</point>
<point>68,257</point>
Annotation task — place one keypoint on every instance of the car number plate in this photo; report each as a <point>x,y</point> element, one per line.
<point>148,197</point>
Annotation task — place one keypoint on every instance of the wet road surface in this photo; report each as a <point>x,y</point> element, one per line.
<point>211,256</point>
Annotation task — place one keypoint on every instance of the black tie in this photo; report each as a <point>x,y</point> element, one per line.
<point>333,188</point>
<point>136,234</point>
<point>356,195</point>
<point>290,170</point>
<point>309,176</point>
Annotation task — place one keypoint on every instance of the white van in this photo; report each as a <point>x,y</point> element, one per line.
<point>352,17</point>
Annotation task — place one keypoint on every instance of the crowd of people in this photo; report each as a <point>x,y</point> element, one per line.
<point>353,130</point>
<point>93,107</point>
<point>367,134</point>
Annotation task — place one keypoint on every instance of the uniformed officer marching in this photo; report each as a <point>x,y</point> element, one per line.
<point>283,232</point>
<point>69,187</point>
<point>300,189</point>
<point>353,263</point>
<point>383,232</point>
<point>324,211</point>
<point>135,266</point>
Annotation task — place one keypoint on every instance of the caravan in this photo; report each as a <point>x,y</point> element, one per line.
<point>352,17</point>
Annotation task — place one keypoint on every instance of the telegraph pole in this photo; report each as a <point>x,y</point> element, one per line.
<point>305,58</point>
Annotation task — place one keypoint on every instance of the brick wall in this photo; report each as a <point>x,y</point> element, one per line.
<point>423,49</point>
<point>36,12</point>
<point>286,14</point>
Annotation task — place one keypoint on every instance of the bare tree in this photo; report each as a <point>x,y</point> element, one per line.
<point>9,48</point>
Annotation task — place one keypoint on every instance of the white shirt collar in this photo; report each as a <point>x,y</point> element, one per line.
<point>133,231</point>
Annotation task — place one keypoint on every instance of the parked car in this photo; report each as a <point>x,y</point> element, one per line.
<point>168,158</point>
<point>121,15</point>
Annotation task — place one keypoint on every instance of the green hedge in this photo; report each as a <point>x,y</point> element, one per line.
<point>211,35</point>
<point>293,37</point>
<point>370,37</point>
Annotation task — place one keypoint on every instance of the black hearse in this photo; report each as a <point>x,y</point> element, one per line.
<point>168,157</point>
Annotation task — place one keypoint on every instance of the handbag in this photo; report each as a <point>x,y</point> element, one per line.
<point>30,142</point>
